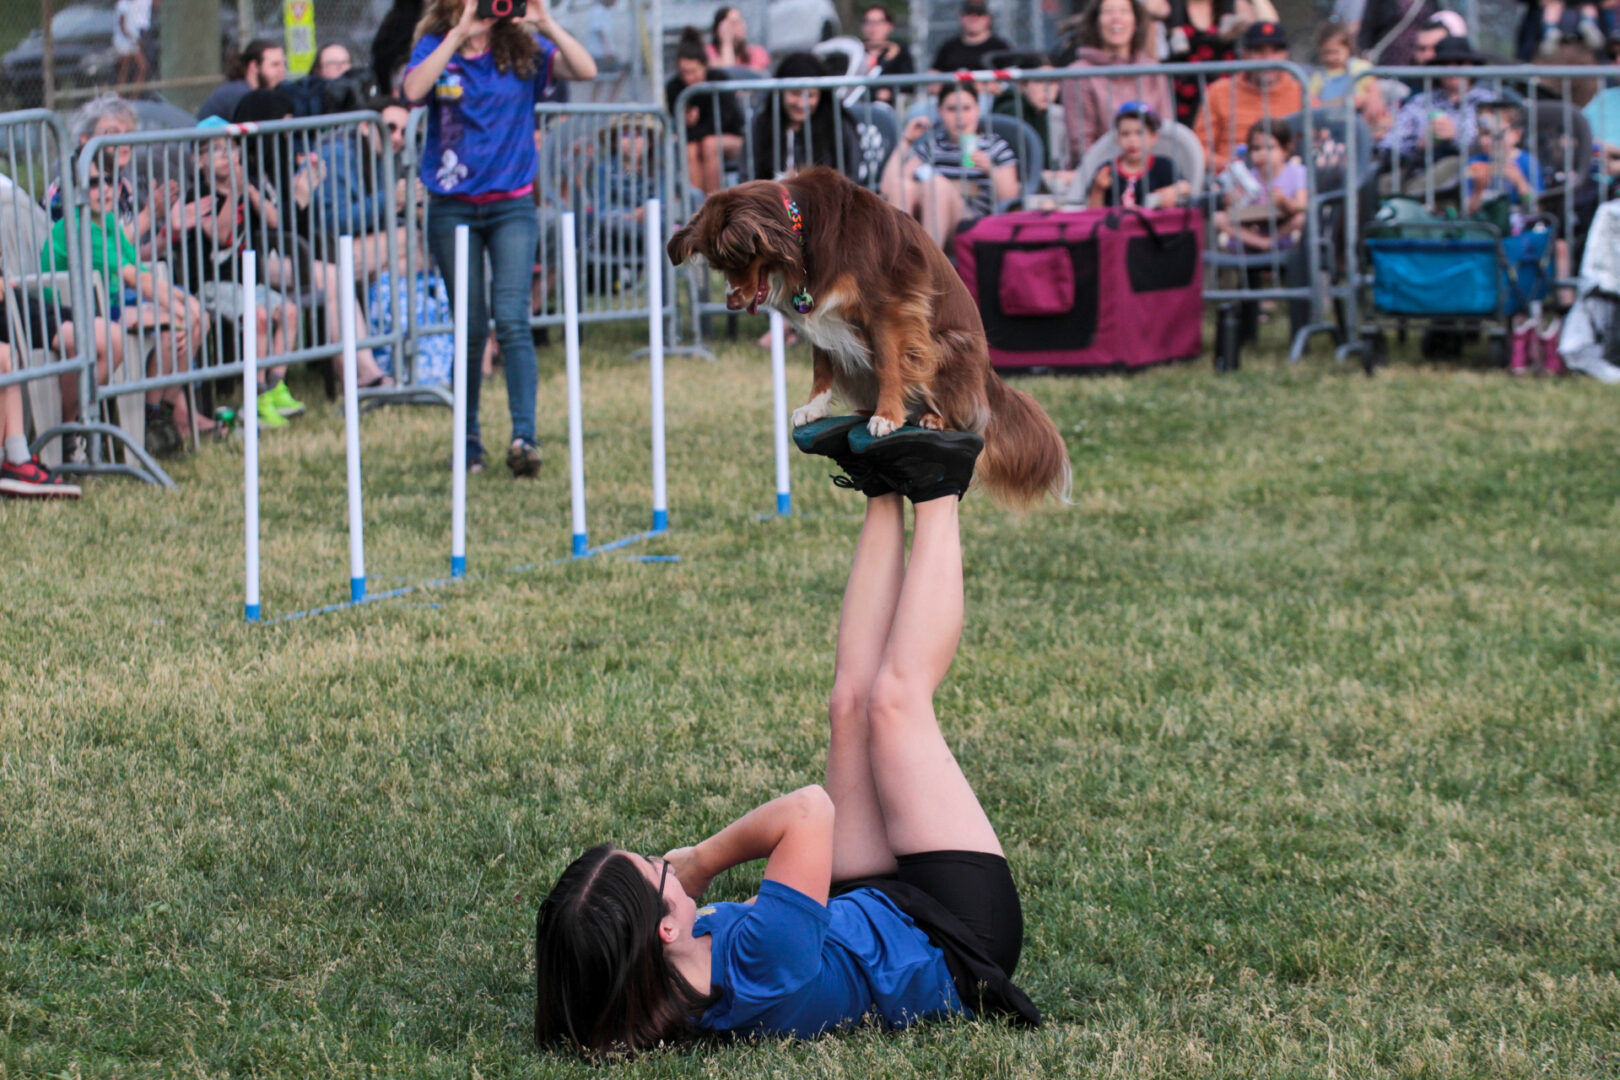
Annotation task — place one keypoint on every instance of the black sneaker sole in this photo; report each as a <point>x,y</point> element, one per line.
<point>920,463</point>
<point>829,437</point>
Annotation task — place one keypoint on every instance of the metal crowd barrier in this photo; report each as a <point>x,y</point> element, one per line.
<point>749,120</point>
<point>1562,133</point>
<point>285,189</point>
<point>47,313</point>
<point>587,165</point>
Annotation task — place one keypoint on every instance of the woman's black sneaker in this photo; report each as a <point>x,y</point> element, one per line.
<point>919,463</point>
<point>829,437</point>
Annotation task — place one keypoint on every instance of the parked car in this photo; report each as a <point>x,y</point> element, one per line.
<point>81,41</point>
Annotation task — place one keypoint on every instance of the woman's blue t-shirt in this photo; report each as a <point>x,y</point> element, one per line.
<point>786,965</point>
<point>480,137</point>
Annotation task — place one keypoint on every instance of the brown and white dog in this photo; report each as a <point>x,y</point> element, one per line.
<point>893,330</point>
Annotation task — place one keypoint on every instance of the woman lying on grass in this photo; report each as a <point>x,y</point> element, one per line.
<point>885,892</point>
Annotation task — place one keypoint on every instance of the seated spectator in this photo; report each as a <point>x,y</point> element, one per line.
<point>714,123</point>
<point>1343,77</point>
<point>333,61</point>
<point>348,198</point>
<point>139,302</point>
<point>728,45</point>
<point>282,213</point>
<point>1266,194</point>
<point>624,183</point>
<point>22,476</point>
<point>210,233</point>
<point>1206,31</point>
<point>1547,24</point>
<point>1439,122</point>
<point>111,115</point>
<point>1389,30</point>
<point>950,174</point>
<point>797,128</point>
<point>1603,114</point>
<point>967,50</point>
<point>260,66</point>
<point>1032,103</point>
<point>883,55</point>
<point>1238,102</point>
<point>1137,177</point>
<point>1110,32</point>
<point>1501,168</point>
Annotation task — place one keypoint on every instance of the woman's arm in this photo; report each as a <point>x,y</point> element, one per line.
<point>419,80</point>
<point>573,61</point>
<point>793,833</point>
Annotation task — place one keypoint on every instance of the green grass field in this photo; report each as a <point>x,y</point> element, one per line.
<point>1299,726</point>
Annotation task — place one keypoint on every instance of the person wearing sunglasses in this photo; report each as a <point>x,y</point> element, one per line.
<point>350,195</point>
<point>145,305</point>
<point>885,894</point>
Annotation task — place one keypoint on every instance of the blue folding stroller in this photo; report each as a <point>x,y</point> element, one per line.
<point>1458,277</point>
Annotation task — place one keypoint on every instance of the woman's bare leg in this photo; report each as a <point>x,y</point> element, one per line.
<point>939,207</point>
<point>860,840</point>
<point>928,804</point>
<point>11,409</point>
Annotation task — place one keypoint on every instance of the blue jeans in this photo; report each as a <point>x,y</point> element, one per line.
<point>507,231</point>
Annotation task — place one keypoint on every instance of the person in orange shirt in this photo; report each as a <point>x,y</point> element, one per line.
<point>1236,103</point>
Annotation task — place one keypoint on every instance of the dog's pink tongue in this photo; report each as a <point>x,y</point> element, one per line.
<point>753,305</point>
<point>759,296</point>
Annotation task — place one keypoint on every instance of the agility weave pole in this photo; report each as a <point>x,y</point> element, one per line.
<point>579,544</point>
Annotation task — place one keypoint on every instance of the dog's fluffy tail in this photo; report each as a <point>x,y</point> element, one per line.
<point>1024,457</point>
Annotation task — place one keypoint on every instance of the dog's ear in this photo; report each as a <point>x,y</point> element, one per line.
<point>684,243</point>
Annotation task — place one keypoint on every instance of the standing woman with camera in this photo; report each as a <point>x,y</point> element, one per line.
<point>479,78</point>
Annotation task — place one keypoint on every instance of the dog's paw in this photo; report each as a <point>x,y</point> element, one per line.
<point>810,413</point>
<point>880,426</point>
<point>932,421</point>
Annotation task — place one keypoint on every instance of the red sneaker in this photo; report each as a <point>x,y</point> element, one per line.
<point>33,481</point>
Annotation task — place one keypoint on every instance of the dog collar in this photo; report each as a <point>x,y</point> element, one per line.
<point>802,300</point>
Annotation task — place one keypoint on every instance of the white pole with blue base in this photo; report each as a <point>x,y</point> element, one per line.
<point>655,356</point>
<point>784,498</point>
<point>250,428</point>
<point>351,426</point>
<point>458,445</point>
<point>576,434</point>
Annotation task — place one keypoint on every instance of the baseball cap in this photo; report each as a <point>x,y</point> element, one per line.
<point>212,122</point>
<point>1265,33</point>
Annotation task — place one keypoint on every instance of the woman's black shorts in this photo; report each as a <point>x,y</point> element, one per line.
<point>967,904</point>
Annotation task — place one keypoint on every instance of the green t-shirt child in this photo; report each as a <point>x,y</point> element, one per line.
<point>110,251</point>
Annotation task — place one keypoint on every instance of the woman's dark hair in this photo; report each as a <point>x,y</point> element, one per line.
<point>1277,128</point>
<point>236,65</point>
<point>392,45</point>
<point>714,33</point>
<point>604,984</point>
<point>258,106</point>
<point>945,91</point>
<point>690,46</point>
<point>510,42</point>
<point>1088,27</point>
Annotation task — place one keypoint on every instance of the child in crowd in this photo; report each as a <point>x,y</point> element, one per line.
<point>950,174</point>
<point>1341,75</point>
<point>1137,177</point>
<point>1265,192</point>
<point>1502,168</point>
<point>624,183</point>
<point>1502,183</point>
<point>213,231</point>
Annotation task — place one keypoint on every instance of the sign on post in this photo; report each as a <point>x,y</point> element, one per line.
<point>298,17</point>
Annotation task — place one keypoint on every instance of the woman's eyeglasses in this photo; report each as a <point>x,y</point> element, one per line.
<point>663,877</point>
